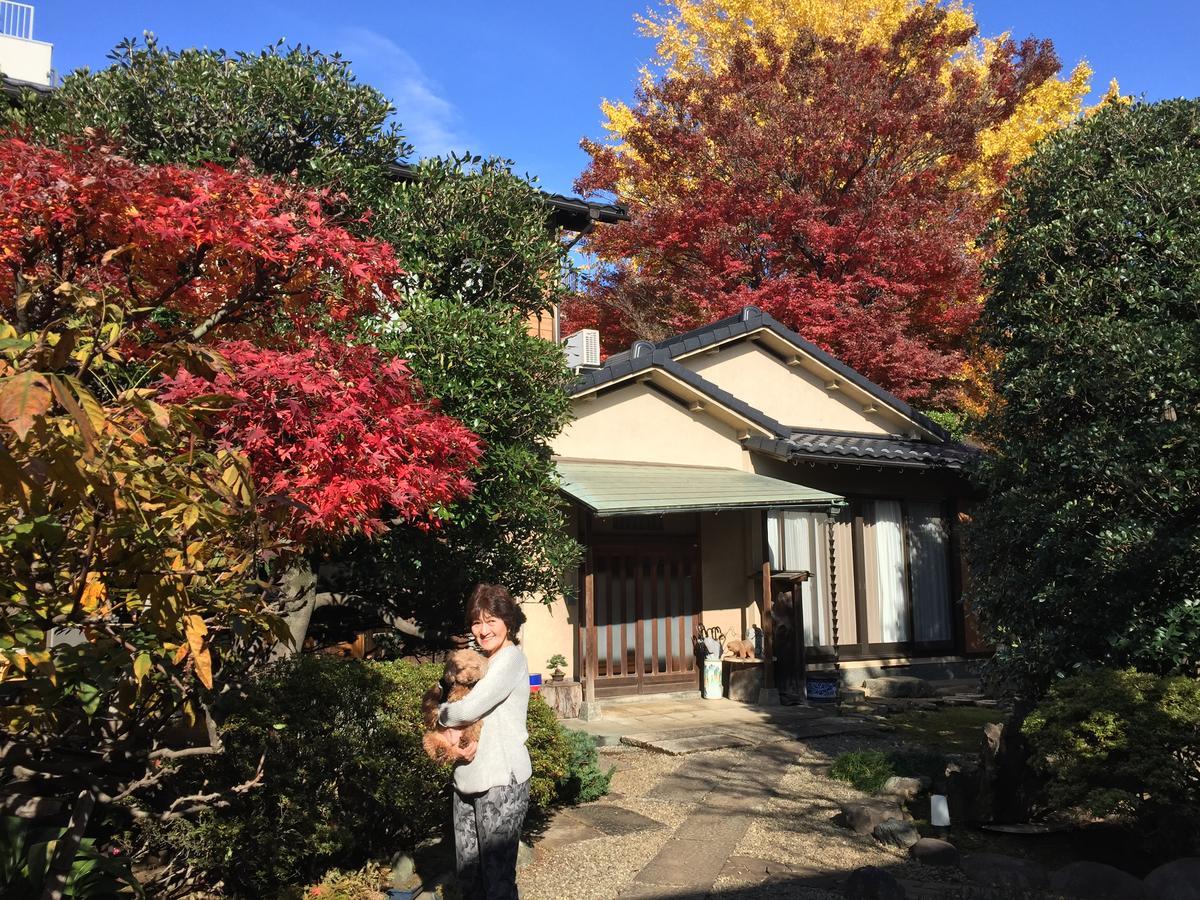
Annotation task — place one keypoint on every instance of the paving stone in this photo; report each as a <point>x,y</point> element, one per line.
<point>755,871</point>
<point>718,827</point>
<point>893,686</point>
<point>685,864</point>
<point>565,832</point>
<point>691,781</point>
<point>614,821</point>
<point>673,743</point>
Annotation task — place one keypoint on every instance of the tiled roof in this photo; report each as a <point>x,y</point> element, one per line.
<point>816,445</point>
<point>749,320</point>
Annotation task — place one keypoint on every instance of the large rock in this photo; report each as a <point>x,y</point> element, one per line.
<point>873,883</point>
<point>524,854</point>
<point>1095,881</point>
<point>1178,880</point>
<point>904,788</point>
<point>1009,873</point>
<point>892,686</point>
<point>863,815</point>
<point>896,833</point>
<point>934,852</point>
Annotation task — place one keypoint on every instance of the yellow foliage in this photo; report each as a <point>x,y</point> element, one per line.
<point>695,35</point>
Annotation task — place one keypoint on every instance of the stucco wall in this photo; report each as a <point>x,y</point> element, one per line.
<point>727,541</point>
<point>25,60</point>
<point>789,394</point>
<point>637,424</point>
<point>549,629</point>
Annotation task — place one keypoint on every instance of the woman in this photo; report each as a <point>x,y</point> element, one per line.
<point>491,781</point>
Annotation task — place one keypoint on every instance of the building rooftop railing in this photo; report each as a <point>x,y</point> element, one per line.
<point>16,19</point>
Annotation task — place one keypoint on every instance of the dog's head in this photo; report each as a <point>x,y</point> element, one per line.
<point>464,667</point>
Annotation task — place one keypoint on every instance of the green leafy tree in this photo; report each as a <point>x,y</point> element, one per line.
<point>474,238</point>
<point>507,386</point>
<point>1087,549</point>
<point>285,110</point>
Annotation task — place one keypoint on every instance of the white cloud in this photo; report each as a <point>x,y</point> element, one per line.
<point>429,121</point>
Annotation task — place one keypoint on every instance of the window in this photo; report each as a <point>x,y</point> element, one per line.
<point>904,548</point>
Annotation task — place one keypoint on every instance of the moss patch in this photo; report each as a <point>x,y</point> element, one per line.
<point>949,729</point>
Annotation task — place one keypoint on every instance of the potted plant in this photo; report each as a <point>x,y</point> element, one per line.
<point>556,662</point>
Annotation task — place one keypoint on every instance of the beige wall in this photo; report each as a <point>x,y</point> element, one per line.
<point>789,394</point>
<point>637,424</point>
<point>549,629</point>
<point>24,59</point>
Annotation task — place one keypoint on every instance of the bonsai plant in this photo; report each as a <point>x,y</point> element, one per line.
<point>556,662</point>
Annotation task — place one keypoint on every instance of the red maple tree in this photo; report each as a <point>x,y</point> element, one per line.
<point>825,183</point>
<point>180,250</point>
<point>339,433</point>
<point>161,259</point>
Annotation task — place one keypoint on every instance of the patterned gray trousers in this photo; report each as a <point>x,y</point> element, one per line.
<point>487,829</point>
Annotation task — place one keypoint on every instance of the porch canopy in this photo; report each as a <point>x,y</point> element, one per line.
<point>643,489</point>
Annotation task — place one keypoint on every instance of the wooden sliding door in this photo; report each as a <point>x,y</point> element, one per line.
<point>647,606</point>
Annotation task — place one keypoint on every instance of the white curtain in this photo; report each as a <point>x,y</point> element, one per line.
<point>798,542</point>
<point>928,541</point>
<point>889,571</point>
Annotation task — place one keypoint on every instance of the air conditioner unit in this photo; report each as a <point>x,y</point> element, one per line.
<point>583,349</point>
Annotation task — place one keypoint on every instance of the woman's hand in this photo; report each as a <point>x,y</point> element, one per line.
<point>457,752</point>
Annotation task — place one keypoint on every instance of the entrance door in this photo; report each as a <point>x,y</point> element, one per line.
<point>647,606</point>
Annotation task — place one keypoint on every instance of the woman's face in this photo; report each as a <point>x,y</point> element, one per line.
<point>490,633</point>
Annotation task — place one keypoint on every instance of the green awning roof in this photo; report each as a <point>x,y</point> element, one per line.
<point>637,489</point>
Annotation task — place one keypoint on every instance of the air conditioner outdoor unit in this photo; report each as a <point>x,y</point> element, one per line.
<point>583,349</point>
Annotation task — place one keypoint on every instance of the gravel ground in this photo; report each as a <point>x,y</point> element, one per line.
<point>597,869</point>
<point>795,828</point>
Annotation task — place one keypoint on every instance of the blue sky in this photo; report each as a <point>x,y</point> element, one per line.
<point>524,78</point>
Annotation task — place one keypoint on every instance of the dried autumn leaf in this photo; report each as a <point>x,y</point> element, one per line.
<point>23,398</point>
<point>94,593</point>
<point>196,630</point>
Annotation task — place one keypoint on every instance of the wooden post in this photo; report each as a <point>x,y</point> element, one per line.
<point>768,628</point>
<point>589,709</point>
<point>800,649</point>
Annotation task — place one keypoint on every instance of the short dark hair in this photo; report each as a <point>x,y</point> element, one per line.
<point>495,600</point>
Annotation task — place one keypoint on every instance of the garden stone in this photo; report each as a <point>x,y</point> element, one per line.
<point>404,873</point>
<point>904,788</point>
<point>1095,881</point>
<point>896,833</point>
<point>1006,872</point>
<point>873,883</point>
<point>897,686</point>
<point>524,855</point>
<point>1178,880</point>
<point>934,852</point>
<point>863,815</point>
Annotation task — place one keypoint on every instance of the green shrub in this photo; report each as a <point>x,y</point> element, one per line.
<point>549,752</point>
<point>584,781</point>
<point>867,770</point>
<point>25,852</point>
<point>1124,743</point>
<point>345,776</point>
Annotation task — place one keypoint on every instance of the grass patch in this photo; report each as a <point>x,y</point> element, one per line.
<point>868,770</point>
<point>949,729</point>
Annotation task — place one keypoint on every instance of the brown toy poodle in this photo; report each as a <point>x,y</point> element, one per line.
<point>464,668</point>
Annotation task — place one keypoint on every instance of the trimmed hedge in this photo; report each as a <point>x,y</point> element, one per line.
<point>1125,744</point>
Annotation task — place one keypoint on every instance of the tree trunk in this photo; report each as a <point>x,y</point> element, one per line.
<point>299,601</point>
<point>68,845</point>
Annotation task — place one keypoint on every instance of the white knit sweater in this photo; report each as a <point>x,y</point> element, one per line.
<point>501,700</point>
